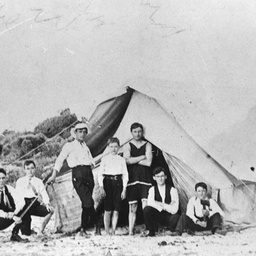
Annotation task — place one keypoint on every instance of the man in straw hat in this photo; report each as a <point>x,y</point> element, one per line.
<point>80,160</point>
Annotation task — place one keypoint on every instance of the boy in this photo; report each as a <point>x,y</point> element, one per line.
<point>113,178</point>
<point>138,155</point>
<point>31,188</point>
<point>163,204</point>
<point>11,205</point>
<point>203,213</point>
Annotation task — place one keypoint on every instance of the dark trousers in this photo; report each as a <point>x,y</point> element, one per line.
<point>83,183</point>
<point>5,223</point>
<point>36,210</point>
<point>213,223</point>
<point>153,218</point>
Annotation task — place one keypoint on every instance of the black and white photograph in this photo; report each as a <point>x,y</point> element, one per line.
<point>127,128</point>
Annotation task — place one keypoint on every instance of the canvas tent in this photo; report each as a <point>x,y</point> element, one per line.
<point>187,162</point>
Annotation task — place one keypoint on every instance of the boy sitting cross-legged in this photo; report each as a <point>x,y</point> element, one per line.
<point>113,178</point>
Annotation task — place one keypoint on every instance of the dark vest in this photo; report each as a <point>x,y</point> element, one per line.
<point>168,198</point>
<point>6,207</point>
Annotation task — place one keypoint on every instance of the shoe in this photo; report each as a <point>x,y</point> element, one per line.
<point>221,232</point>
<point>32,232</point>
<point>190,232</point>
<point>151,234</point>
<point>17,238</point>
<point>97,231</point>
<point>83,233</point>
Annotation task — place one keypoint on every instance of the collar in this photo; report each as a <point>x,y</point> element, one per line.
<point>30,179</point>
<point>196,198</point>
<point>162,187</point>
<point>80,142</point>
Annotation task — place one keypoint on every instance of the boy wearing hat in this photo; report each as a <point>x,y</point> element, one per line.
<point>11,205</point>
<point>80,160</point>
<point>113,178</point>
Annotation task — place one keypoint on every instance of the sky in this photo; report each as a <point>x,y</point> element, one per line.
<point>58,54</point>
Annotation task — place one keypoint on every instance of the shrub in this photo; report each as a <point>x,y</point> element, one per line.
<point>26,146</point>
<point>52,126</point>
<point>53,147</point>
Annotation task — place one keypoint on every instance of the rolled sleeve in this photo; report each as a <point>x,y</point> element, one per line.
<point>125,176</point>
<point>61,158</point>
<point>18,199</point>
<point>190,209</point>
<point>151,200</point>
<point>3,214</point>
<point>173,207</point>
<point>44,193</point>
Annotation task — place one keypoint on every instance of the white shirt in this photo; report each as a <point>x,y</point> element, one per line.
<point>75,154</point>
<point>195,207</point>
<point>25,190</point>
<point>113,165</point>
<point>17,198</point>
<point>172,208</point>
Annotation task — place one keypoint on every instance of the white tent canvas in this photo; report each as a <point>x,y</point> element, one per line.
<point>188,163</point>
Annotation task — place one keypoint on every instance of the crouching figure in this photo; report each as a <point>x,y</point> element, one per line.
<point>163,204</point>
<point>11,205</point>
<point>203,213</point>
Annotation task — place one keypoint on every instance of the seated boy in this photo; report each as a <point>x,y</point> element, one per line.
<point>32,188</point>
<point>203,213</point>
<point>163,204</point>
<point>10,208</point>
<point>113,178</point>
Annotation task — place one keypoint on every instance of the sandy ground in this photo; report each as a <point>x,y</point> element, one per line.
<point>237,241</point>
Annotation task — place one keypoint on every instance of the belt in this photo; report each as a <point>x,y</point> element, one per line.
<point>113,177</point>
<point>78,166</point>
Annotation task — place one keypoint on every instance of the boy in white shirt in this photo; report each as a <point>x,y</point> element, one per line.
<point>32,188</point>
<point>203,213</point>
<point>163,204</point>
<point>113,178</point>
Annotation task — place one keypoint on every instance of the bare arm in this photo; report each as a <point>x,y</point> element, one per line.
<point>149,156</point>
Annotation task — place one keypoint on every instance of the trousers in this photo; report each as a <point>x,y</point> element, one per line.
<point>83,182</point>
<point>153,218</point>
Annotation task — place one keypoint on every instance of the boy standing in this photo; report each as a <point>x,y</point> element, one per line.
<point>163,204</point>
<point>113,178</point>
<point>31,188</point>
<point>203,213</point>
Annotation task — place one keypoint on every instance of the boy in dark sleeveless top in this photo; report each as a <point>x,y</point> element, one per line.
<point>138,155</point>
<point>163,204</point>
